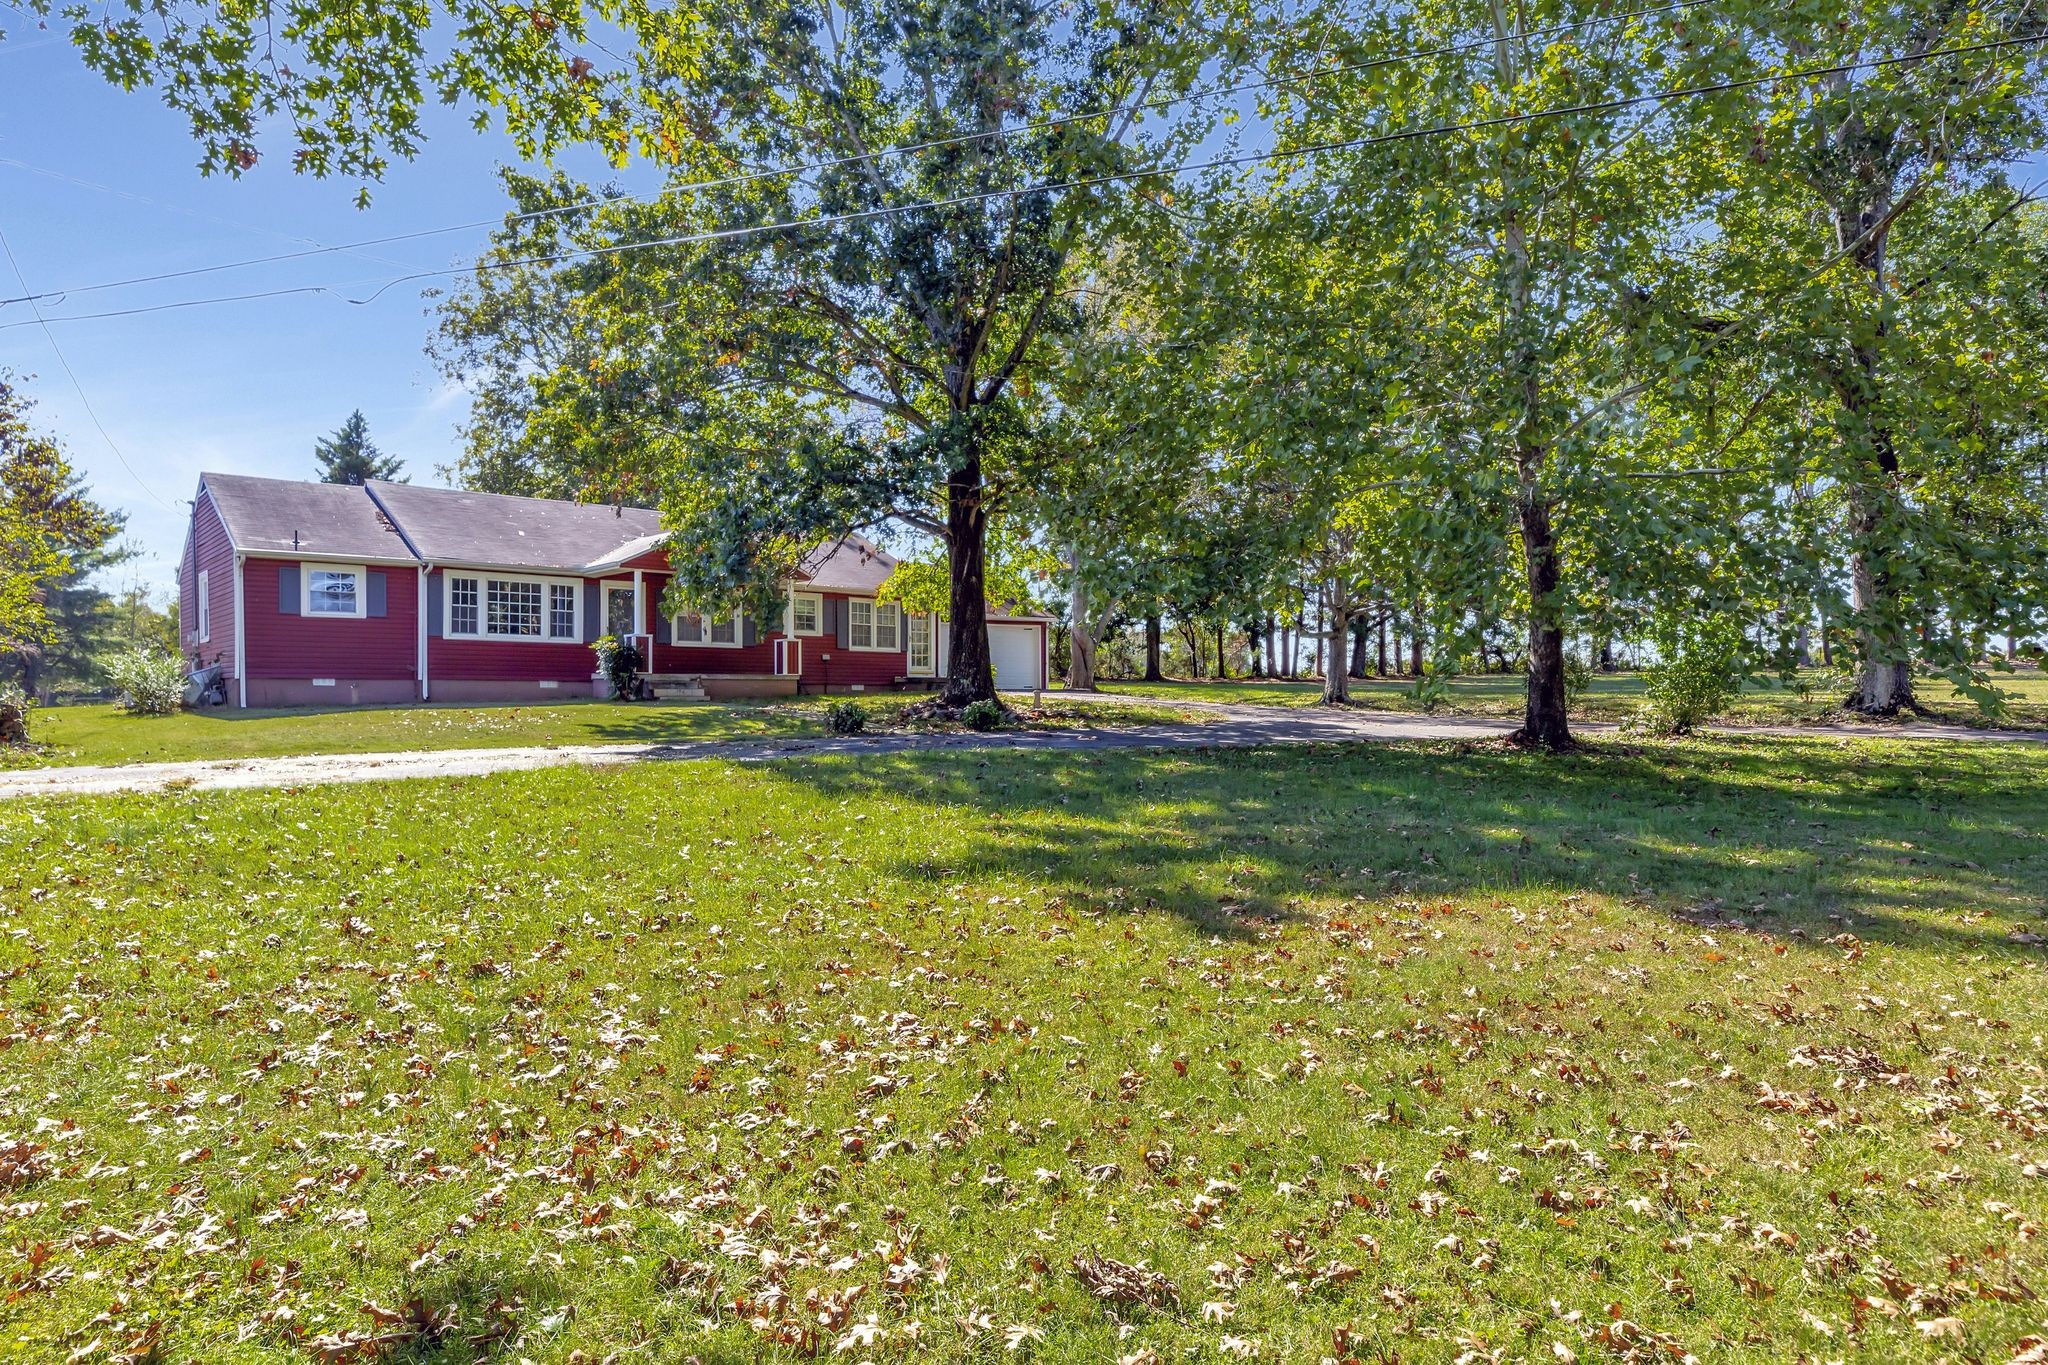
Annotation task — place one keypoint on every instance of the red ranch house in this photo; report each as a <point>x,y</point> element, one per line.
<point>323,594</point>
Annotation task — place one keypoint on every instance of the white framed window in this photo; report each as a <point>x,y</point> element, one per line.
<point>806,614</point>
<point>562,611</point>
<point>714,632</point>
<point>205,610</point>
<point>873,625</point>
<point>918,635</point>
<point>332,590</point>
<point>497,607</point>
<point>618,609</point>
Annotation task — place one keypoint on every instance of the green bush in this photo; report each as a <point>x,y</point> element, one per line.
<point>1695,680</point>
<point>1432,690</point>
<point>15,705</point>
<point>150,682</point>
<point>618,659</point>
<point>1578,679</point>
<point>846,718</point>
<point>987,714</point>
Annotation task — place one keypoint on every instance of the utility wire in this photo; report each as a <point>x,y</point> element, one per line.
<point>1092,182</point>
<point>8,248</point>
<point>834,163</point>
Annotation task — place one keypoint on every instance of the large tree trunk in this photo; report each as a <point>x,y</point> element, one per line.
<point>1080,634</point>
<point>1884,669</point>
<point>1152,632</point>
<point>1415,645</point>
<point>1361,632</point>
<point>969,678</point>
<point>1222,665</point>
<point>1330,646</point>
<point>1544,724</point>
<point>1386,611</point>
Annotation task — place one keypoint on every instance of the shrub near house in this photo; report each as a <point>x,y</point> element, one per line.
<point>321,594</point>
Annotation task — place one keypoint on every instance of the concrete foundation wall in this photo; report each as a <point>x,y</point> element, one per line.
<point>343,692</point>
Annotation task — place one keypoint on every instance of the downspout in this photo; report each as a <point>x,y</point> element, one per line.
<point>241,640</point>
<point>425,692</point>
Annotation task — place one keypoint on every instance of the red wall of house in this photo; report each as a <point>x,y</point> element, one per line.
<point>294,646</point>
<point>508,660</point>
<point>210,550</point>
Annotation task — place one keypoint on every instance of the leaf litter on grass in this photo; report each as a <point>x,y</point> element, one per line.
<point>804,1063</point>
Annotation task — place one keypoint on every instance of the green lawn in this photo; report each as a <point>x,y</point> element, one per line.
<point>1812,697</point>
<point>71,735</point>
<point>1410,1052</point>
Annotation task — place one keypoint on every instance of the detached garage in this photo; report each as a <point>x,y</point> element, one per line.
<point>1017,651</point>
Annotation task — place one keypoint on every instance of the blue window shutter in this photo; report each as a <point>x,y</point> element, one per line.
<point>433,604</point>
<point>593,612</point>
<point>840,620</point>
<point>750,631</point>
<point>287,590</point>
<point>376,593</point>
<point>661,626</point>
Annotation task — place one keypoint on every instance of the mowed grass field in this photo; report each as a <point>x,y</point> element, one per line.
<point>1812,697</point>
<point>1728,1050</point>
<point>104,733</point>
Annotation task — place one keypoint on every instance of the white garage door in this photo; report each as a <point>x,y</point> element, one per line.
<point>1014,652</point>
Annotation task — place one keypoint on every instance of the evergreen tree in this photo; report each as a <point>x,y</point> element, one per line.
<point>53,536</point>
<point>349,456</point>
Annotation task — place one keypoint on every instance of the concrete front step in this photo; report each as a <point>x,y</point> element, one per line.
<point>676,686</point>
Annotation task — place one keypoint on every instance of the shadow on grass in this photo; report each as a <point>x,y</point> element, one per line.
<point>1940,846</point>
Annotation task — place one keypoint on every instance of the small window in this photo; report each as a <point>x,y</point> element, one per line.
<point>332,590</point>
<point>804,614</point>
<point>860,624</point>
<point>562,611</point>
<point>887,618</point>
<point>719,632</point>
<point>205,610</point>
<point>462,606</point>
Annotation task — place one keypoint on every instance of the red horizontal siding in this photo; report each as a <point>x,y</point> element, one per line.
<point>211,551</point>
<point>512,660</point>
<point>294,646</point>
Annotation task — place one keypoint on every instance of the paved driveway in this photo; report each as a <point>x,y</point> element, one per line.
<point>1230,726</point>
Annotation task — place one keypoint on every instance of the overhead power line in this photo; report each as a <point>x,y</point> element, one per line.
<point>1091,182</point>
<point>8,248</point>
<point>834,163</point>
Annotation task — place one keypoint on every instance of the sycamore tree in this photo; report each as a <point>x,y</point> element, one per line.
<point>782,357</point>
<point>1505,248</point>
<point>1881,219</point>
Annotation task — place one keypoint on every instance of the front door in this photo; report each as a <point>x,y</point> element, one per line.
<point>618,611</point>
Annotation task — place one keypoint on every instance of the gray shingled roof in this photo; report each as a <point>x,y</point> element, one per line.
<point>851,564</point>
<point>451,526</point>
<point>291,516</point>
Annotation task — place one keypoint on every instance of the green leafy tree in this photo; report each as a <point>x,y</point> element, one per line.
<point>1912,350</point>
<point>784,358</point>
<point>349,456</point>
<point>52,537</point>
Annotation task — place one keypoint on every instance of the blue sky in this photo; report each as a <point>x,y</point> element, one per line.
<point>99,185</point>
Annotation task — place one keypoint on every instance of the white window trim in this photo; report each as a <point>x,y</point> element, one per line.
<point>931,646</point>
<point>675,631</point>
<point>817,601</point>
<point>876,611</point>
<point>362,576</point>
<point>483,607</point>
<point>205,622</point>
<point>604,600</point>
